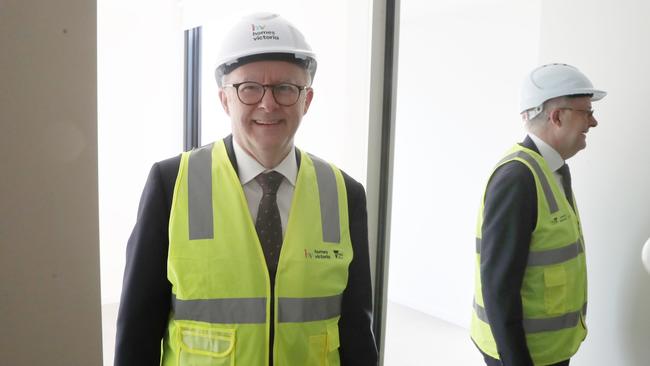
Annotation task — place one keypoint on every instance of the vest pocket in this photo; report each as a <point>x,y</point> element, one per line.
<point>555,289</point>
<point>317,355</point>
<point>323,348</point>
<point>206,347</point>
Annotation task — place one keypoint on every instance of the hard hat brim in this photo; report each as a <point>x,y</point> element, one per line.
<point>598,94</point>
<point>307,62</point>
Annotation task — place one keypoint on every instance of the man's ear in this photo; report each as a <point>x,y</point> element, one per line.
<point>224,101</point>
<point>554,117</point>
<point>309,95</point>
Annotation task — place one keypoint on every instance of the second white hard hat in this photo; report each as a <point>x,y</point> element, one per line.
<point>262,36</point>
<point>552,81</point>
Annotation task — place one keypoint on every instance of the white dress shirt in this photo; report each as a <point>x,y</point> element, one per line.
<point>552,157</point>
<point>249,168</point>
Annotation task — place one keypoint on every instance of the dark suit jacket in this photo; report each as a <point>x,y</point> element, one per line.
<point>509,219</point>
<point>146,293</point>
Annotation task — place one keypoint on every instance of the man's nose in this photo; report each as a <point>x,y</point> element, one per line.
<point>268,100</point>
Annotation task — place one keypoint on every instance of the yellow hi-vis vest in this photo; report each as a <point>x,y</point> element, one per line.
<point>220,282</point>
<point>554,289</point>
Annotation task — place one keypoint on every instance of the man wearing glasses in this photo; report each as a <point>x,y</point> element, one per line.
<point>249,251</point>
<point>530,296</point>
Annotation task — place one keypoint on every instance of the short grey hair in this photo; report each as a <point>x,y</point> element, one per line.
<point>537,122</point>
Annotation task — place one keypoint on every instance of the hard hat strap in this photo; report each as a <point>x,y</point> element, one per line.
<point>533,112</point>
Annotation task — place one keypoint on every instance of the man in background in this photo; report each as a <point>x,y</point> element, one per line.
<point>531,290</point>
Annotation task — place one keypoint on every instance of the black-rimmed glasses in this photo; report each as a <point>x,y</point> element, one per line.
<point>250,92</point>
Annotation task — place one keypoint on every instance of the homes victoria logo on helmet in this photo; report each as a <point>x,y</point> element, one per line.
<point>259,33</point>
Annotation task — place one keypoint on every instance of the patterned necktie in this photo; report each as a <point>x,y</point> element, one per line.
<point>566,182</point>
<point>268,224</point>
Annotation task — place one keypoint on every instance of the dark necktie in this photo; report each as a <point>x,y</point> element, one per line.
<point>566,182</point>
<point>268,224</point>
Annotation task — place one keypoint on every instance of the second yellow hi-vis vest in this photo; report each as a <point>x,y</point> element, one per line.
<point>220,283</point>
<point>554,289</point>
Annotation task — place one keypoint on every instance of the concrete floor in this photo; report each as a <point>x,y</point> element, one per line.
<point>414,338</point>
<point>109,317</point>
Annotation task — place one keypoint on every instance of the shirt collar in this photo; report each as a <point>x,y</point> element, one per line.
<point>552,157</point>
<point>249,168</point>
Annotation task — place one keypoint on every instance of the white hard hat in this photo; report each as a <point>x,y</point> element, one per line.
<point>263,36</point>
<point>552,81</point>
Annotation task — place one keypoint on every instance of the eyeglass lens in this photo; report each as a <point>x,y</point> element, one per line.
<point>252,93</point>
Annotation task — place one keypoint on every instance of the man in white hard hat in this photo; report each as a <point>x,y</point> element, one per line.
<point>249,251</point>
<point>530,296</point>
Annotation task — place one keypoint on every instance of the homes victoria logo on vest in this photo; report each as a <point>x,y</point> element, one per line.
<point>260,33</point>
<point>326,254</point>
<point>559,218</point>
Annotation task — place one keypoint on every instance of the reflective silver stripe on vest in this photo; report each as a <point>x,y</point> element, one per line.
<point>480,312</point>
<point>548,192</point>
<point>293,310</point>
<point>222,311</point>
<point>555,256</point>
<point>329,200</point>
<point>568,320</point>
<point>549,256</point>
<point>253,310</point>
<point>531,325</point>
<point>199,187</point>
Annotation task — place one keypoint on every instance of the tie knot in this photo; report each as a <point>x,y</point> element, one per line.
<point>564,171</point>
<point>270,182</point>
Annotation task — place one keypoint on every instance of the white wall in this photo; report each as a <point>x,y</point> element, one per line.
<point>140,121</point>
<point>609,41</point>
<point>49,253</point>
<point>140,113</point>
<point>460,67</point>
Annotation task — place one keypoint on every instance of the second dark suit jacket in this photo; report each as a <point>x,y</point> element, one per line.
<point>509,219</point>
<point>146,293</point>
